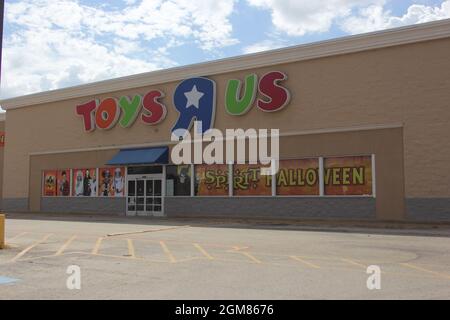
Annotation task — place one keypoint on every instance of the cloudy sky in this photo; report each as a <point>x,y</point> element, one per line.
<point>50,44</point>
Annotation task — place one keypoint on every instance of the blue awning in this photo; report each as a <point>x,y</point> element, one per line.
<point>155,155</point>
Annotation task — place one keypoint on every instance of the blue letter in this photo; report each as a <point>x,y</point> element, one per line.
<point>195,99</point>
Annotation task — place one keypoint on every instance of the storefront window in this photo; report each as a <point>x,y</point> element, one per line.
<point>49,183</point>
<point>63,183</point>
<point>2,138</point>
<point>248,181</point>
<point>348,175</point>
<point>57,183</point>
<point>211,180</point>
<point>178,180</point>
<point>111,182</point>
<point>298,177</point>
<point>84,182</point>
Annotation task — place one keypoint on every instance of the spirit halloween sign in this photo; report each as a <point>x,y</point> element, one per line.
<point>342,176</point>
<point>194,99</point>
<point>348,175</point>
<point>298,177</point>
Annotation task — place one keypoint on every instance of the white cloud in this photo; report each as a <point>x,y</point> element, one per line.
<point>262,46</point>
<point>375,17</point>
<point>299,17</point>
<point>57,43</point>
<point>49,59</point>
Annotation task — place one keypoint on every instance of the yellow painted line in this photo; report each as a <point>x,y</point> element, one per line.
<point>97,246</point>
<point>250,256</point>
<point>172,241</point>
<point>24,251</point>
<point>65,246</point>
<point>17,236</point>
<point>125,258</point>
<point>203,251</point>
<point>353,262</point>
<point>412,266</point>
<point>309,264</point>
<point>167,252</point>
<point>237,248</point>
<point>244,253</point>
<point>131,250</point>
<point>142,259</point>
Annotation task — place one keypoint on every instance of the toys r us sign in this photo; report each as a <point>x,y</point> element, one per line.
<point>193,98</point>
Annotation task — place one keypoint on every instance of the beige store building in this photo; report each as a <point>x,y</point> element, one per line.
<point>363,120</point>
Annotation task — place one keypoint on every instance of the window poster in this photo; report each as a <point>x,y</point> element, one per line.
<point>49,183</point>
<point>63,183</point>
<point>348,175</point>
<point>248,181</point>
<point>111,182</point>
<point>298,177</point>
<point>211,180</point>
<point>84,182</point>
<point>2,138</point>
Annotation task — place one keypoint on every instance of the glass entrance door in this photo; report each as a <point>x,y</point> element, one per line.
<point>153,196</point>
<point>144,196</point>
<point>131,197</point>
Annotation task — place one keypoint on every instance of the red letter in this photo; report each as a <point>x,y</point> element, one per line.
<point>278,95</point>
<point>87,112</point>
<point>154,112</point>
<point>107,114</point>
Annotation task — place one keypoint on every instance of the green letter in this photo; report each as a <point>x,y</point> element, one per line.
<point>233,104</point>
<point>130,110</point>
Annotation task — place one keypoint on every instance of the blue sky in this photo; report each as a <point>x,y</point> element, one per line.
<point>51,44</point>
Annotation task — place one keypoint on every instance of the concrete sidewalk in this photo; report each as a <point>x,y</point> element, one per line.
<point>441,229</point>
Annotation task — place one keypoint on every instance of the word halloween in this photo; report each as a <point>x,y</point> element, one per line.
<point>194,99</point>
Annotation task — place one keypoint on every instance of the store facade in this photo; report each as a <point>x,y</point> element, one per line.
<point>361,122</point>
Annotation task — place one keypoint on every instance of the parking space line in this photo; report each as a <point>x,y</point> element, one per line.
<point>97,245</point>
<point>24,251</point>
<point>244,253</point>
<point>412,266</point>
<point>203,251</point>
<point>310,264</point>
<point>167,252</point>
<point>65,246</point>
<point>173,241</point>
<point>353,262</point>
<point>250,256</point>
<point>131,251</point>
<point>17,236</point>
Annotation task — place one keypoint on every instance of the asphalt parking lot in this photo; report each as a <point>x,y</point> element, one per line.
<point>131,259</point>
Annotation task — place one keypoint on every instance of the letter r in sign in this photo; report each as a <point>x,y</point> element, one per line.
<point>194,99</point>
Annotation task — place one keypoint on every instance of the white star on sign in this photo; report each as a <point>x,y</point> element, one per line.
<point>193,97</point>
